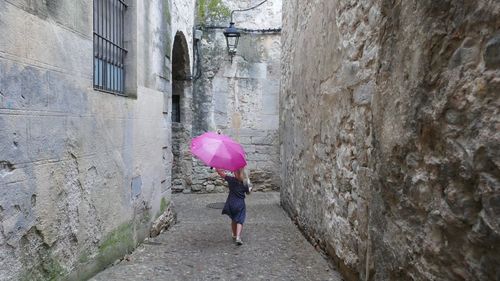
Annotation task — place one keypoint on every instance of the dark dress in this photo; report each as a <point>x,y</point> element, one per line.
<point>235,203</point>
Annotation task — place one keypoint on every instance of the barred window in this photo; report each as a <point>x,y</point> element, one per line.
<point>109,50</point>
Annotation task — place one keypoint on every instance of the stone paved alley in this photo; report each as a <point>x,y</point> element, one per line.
<point>376,120</point>
<point>199,247</point>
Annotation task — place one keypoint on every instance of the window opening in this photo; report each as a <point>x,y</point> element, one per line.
<point>109,50</point>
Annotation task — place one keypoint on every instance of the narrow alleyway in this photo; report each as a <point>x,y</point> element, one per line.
<point>199,247</point>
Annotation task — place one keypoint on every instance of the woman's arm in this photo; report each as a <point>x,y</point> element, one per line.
<point>221,173</point>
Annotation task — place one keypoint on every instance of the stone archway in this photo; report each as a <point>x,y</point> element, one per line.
<point>181,113</point>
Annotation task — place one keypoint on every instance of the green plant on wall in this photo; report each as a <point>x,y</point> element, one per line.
<point>212,11</point>
<point>202,13</point>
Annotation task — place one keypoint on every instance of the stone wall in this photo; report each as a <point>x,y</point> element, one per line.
<point>83,173</point>
<point>238,97</point>
<point>389,135</point>
<point>182,87</point>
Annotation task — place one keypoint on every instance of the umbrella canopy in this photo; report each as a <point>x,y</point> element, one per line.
<point>219,151</point>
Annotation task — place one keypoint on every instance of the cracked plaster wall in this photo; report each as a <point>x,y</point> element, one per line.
<point>83,173</point>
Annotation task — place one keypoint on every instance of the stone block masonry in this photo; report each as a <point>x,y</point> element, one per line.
<point>389,135</point>
<point>83,174</point>
<point>241,98</point>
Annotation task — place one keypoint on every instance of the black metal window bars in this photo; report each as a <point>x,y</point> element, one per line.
<point>109,50</point>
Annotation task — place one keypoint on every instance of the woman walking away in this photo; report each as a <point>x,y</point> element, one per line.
<point>235,203</point>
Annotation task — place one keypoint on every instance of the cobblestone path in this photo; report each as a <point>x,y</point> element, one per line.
<point>199,246</point>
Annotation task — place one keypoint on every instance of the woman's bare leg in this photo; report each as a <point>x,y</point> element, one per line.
<point>239,228</point>
<point>233,228</point>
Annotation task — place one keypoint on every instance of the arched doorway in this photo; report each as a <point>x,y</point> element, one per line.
<point>181,114</point>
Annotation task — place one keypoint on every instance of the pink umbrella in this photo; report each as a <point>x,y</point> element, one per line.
<point>219,151</point>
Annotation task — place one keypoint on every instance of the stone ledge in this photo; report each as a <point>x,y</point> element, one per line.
<point>164,221</point>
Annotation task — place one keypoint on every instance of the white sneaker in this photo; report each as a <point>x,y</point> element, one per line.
<point>238,241</point>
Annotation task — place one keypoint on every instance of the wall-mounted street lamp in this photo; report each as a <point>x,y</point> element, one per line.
<point>233,35</point>
<point>232,38</point>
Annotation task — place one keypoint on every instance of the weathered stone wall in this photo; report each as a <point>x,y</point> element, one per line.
<point>83,174</point>
<point>389,135</point>
<point>182,87</point>
<point>240,98</point>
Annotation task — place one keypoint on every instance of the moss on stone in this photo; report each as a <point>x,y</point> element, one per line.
<point>124,233</point>
<point>166,11</point>
<point>54,270</point>
<point>48,269</point>
<point>163,205</point>
<point>84,257</point>
<point>168,46</point>
<point>146,219</point>
<point>117,244</point>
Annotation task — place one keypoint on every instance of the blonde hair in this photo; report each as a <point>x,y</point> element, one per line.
<point>243,175</point>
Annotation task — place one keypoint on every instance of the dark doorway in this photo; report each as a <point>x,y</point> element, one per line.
<point>181,114</point>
